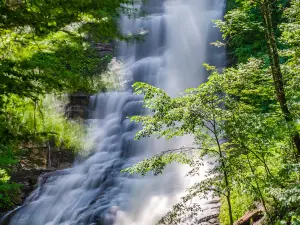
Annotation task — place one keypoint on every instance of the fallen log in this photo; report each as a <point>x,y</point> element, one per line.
<point>250,217</point>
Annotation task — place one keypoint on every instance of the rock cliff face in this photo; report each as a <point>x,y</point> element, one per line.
<point>103,49</point>
<point>78,106</point>
<point>38,160</point>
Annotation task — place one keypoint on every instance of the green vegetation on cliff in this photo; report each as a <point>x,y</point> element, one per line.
<point>49,47</point>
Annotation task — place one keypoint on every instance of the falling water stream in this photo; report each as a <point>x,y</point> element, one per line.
<point>95,191</point>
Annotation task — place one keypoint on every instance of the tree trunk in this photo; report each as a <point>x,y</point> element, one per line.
<point>258,188</point>
<point>228,196</point>
<point>277,73</point>
<point>226,177</point>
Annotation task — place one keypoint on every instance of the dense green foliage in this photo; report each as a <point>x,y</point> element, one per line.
<point>24,122</point>
<point>45,47</point>
<point>245,38</point>
<point>49,47</point>
<point>244,117</point>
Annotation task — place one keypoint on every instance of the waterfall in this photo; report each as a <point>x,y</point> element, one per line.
<point>95,191</point>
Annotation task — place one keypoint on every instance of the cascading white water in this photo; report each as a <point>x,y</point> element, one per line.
<point>94,191</point>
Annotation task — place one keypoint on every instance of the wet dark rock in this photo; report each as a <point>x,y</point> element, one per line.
<point>78,106</point>
<point>211,219</point>
<point>35,167</point>
<point>210,214</point>
<point>61,158</point>
<point>103,49</point>
<point>44,178</point>
<point>28,180</point>
<point>6,217</point>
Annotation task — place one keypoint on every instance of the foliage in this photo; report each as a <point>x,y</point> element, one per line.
<point>7,191</point>
<point>236,118</point>
<point>241,203</point>
<point>24,121</point>
<point>238,106</point>
<point>45,47</point>
<point>40,121</point>
<point>158,163</point>
<point>50,47</point>
<point>243,28</point>
<point>112,77</point>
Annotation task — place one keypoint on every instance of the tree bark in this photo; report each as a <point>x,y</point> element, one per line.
<point>277,73</point>
<point>226,177</point>
<point>258,188</point>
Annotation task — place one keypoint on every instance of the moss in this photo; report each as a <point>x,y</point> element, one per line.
<point>241,203</point>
